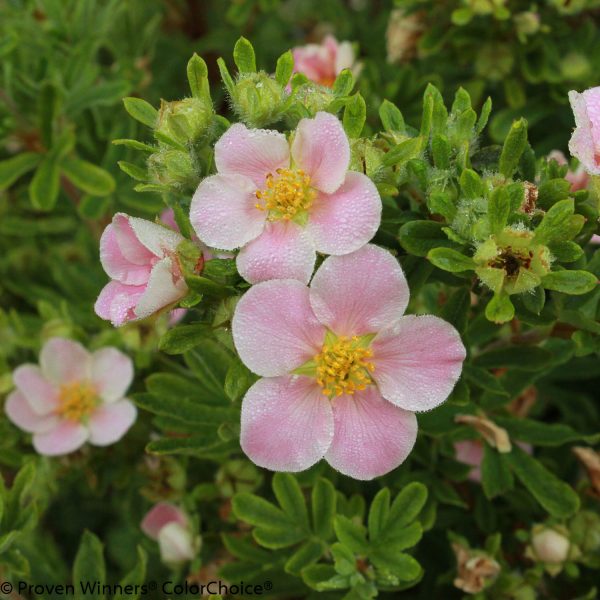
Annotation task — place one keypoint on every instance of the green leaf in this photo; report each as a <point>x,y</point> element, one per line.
<point>498,210</point>
<point>539,433</point>
<point>182,338</point>
<point>45,185</point>
<point>403,566</point>
<point>524,358</point>
<point>226,77</point>
<point>238,379</point>
<point>448,259</point>
<point>350,534</point>
<point>440,151</point>
<point>407,505</point>
<point>500,309</point>
<point>243,56</point>
<point>290,498</point>
<point>13,168</point>
<point>355,115</point>
<point>88,177</point>
<point>343,84</point>
<point>555,222</point>
<point>419,237</point>
<point>135,145</point>
<point>496,477</point>
<point>197,74</point>
<point>307,554</point>
<point>89,568</point>
<point>378,513</point>
<point>554,495</point>
<point>284,68</point>
<point>323,508</point>
<point>514,145</point>
<point>141,111</point>
<point>259,512</point>
<point>136,577</point>
<point>486,110</point>
<point>456,309</point>
<point>403,152</point>
<point>471,184</point>
<point>134,171</point>
<point>570,282</point>
<point>391,117</point>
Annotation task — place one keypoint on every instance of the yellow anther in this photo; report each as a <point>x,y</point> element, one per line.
<point>76,400</point>
<point>343,366</point>
<point>285,194</point>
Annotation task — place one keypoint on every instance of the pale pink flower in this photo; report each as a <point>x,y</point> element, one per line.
<point>579,178</point>
<point>585,141</point>
<point>343,371</point>
<point>141,259</point>
<point>170,527</point>
<point>323,62</point>
<point>281,204</point>
<point>72,397</point>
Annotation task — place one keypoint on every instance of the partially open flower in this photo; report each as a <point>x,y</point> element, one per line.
<point>343,371</point>
<point>323,62</point>
<point>512,262</point>
<point>73,397</point>
<point>585,141</point>
<point>281,204</point>
<point>141,259</point>
<point>476,569</point>
<point>170,527</point>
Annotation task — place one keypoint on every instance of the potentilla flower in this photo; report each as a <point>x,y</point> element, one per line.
<point>170,527</point>
<point>585,141</point>
<point>578,178</point>
<point>343,371</point>
<point>281,204</point>
<point>141,259</point>
<point>323,62</point>
<point>73,397</point>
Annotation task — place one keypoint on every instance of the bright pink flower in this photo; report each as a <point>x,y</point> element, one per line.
<point>281,204</point>
<point>170,527</point>
<point>73,397</point>
<point>323,62</point>
<point>343,371</point>
<point>141,259</point>
<point>585,141</point>
<point>579,179</point>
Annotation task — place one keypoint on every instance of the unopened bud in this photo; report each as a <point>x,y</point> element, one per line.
<point>258,98</point>
<point>184,121</point>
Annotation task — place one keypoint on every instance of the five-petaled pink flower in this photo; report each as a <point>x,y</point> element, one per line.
<point>323,62</point>
<point>585,141</point>
<point>141,259</point>
<point>343,371</point>
<point>73,397</point>
<point>170,527</point>
<point>282,204</point>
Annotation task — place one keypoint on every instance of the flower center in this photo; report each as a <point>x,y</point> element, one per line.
<point>76,400</point>
<point>511,260</point>
<point>287,195</point>
<point>343,367</point>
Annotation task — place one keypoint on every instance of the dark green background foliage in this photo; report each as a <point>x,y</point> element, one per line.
<point>452,171</point>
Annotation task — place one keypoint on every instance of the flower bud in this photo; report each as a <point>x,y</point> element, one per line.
<point>575,67</point>
<point>176,544</point>
<point>257,98</point>
<point>527,23</point>
<point>550,545</point>
<point>174,168</point>
<point>184,120</point>
<point>313,97</point>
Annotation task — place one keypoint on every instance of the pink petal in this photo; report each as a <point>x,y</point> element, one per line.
<point>223,212</point>
<point>41,395</point>
<point>19,411</point>
<point>585,141</point>
<point>164,288</point>
<point>116,265</point>
<point>287,424</point>
<point>470,452</point>
<point>281,251</point>
<point>321,148</point>
<point>64,361</point>
<point>66,437</point>
<point>110,422</point>
<point>315,61</point>
<point>160,515</point>
<point>117,301</point>
<point>346,220</point>
<point>157,239</point>
<point>129,244</point>
<point>167,217</point>
<point>371,436</point>
<point>253,153</point>
<point>274,328</point>
<point>417,361</point>
<point>359,293</point>
<point>112,373</point>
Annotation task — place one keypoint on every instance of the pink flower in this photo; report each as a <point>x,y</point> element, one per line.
<point>140,258</point>
<point>585,141</point>
<point>73,397</point>
<point>578,179</point>
<point>283,204</point>
<point>343,371</point>
<point>323,62</point>
<point>170,526</point>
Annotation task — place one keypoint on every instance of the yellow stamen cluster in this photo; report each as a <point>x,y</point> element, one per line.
<point>287,194</point>
<point>343,366</point>
<point>76,400</point>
